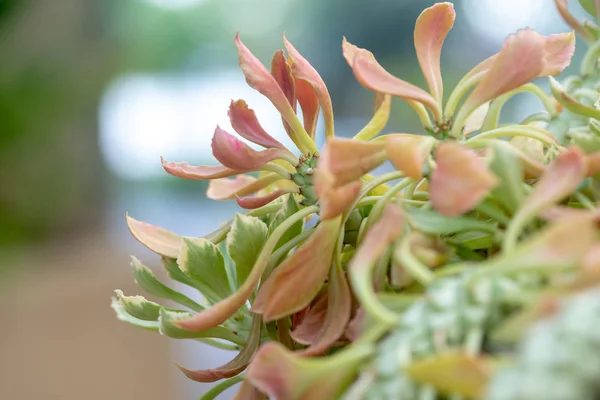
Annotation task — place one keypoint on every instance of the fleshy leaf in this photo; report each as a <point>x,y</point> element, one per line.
<point>244,122</point>
<point>460,180</point>
<point>147,281</point>
<point>259,78</point>
<point>520,61</point>
<point>244,243</point>
<point>339,308</point>
<point>250,203</point>
<point>198,173</point>
<point>168,327</point>
<point>373,76</point>
<point>124,316</point>
<point>453,374</point>
<point>203,262</point>
<point>333,200</point>
<point>302,69</point>
<point>347,160</point>
<point>559,48</point>
<point>310,105</point>
<point>437,224</point>
<point>593,164</point>
<point>408,153</point>
<point>296,281</point>
<point>219,312</point>
<point>281,374</point>
<point>241,185</point>
<point>159,240</point>
<point>431,30</point>
<point>235,366</point>
<point>309,327</point>
<point>139,307</point>
<point>282,72</point>
<point>235,154</point>
<point>377,240</point>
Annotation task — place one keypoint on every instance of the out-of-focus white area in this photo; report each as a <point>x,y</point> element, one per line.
<point>144,117</point>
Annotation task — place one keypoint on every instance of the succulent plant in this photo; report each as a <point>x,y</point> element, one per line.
<point>469,271</point>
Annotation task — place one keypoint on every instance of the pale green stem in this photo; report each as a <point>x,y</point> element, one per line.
<point>221,387</point>
<point>459,91</point>
<point>219,345</point>
<point>517,130</point>
<point>491,121</point>
<point>278,169</point>
<point>386,198</point>
<point>417,270</point>
<point>301,138</point>
<point>422,113</point>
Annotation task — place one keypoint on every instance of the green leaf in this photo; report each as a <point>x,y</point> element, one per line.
<point>290,208</point>
<point>244,243</point>
<point>473,240</point>
<point>588,5</point>
<point>434,223</point>
<point>145,278</point>
<point>177,274</point>
<point>167,323</point>
<point>122,315</point>
<point>202,261</point>
<point>508,169</point>
<point>139,307</point>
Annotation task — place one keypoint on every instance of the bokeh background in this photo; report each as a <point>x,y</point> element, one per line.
<point>93,92</point>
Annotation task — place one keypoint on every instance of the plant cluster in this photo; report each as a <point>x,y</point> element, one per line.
<point>469,271</point>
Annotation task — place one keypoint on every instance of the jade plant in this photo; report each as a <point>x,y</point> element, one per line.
<point>470,271</point>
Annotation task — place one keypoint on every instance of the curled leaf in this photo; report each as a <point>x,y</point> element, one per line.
<point>235,154</point>
<point>302,69</point>
<point>520,61</point>
<point>199,173</point>
<point>282,374</point>
<point>309,103</point>
<point>241,185</point>
<point>337,316</point>
<point>159,240</point>
<point>431,30</point>
<point>346,160</point>
<point>295,283</point>
<point>373,76</point>
<point>558,49</point>
<point>460,180</point>
<point>235,366</point>
<point>244,122</point>
<point>256,202</point>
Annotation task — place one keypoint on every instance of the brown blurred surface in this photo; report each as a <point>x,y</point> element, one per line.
<point>60,338</point>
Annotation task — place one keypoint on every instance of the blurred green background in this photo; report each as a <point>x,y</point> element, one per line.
<point>92,93</point>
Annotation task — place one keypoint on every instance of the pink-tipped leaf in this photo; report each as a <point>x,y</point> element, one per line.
<point>460,180</point>
<point>431,30</point>
<point>244,122</point>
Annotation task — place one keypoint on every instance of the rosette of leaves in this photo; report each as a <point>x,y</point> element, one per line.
<point>405,279</point>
